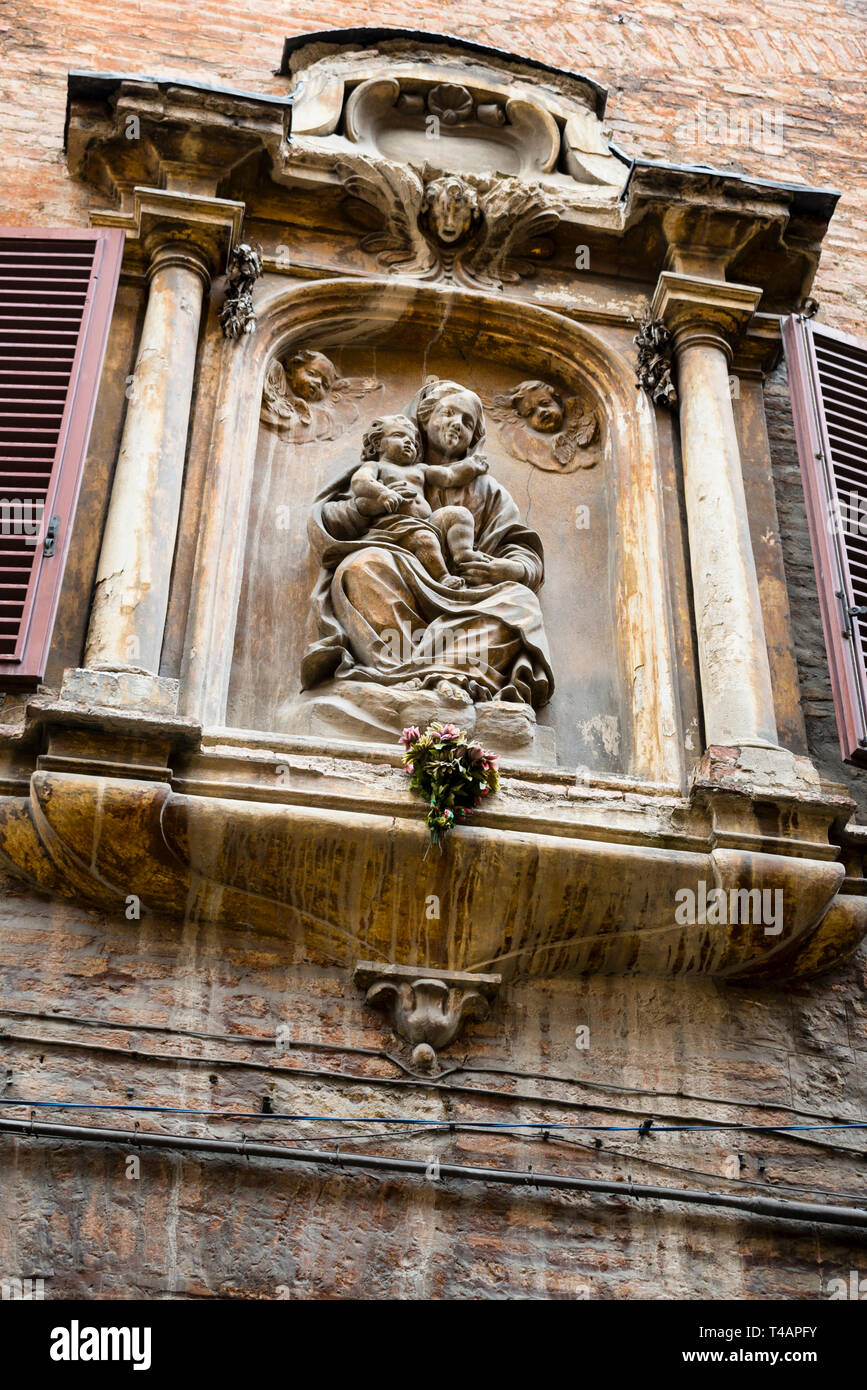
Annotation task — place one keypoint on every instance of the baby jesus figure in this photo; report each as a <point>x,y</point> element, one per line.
<point>389,486</point>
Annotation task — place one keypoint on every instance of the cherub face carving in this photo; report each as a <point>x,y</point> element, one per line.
<point>310,375</point>
<point>452,209</point>
<point>308,398</point>
<point>540,405</point>
<point>543,426</point>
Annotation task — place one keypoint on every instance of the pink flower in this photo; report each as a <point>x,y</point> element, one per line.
<point>485,791</point>
<point>409,735</point>
<point>409,767</point>
<point>449,731</point>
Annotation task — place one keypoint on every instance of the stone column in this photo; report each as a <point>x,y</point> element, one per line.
<point>186,240</point>
<point>706,317</point>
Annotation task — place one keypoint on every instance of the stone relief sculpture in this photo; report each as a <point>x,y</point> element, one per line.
<point>541,426</point>
<point>391,489</point>
<point>388,567</point>
<point>480,231</point>
<point>450,208</point>
<point>307,397</point>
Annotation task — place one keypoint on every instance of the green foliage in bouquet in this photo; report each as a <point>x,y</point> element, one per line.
<point>452,774</point>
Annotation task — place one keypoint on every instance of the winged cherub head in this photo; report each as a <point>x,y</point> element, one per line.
<point>451,207</point>
<point>539,404</point>
<point>310,375</point>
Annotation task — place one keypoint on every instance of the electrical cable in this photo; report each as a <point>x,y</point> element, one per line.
<point>647,1127</point>
<point>303,1045</point>
<point>814,1212</point>
<point>797,1133</point>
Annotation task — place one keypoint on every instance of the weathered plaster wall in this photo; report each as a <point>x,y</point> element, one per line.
<point>201,1227</point>
<point>193,1226</point>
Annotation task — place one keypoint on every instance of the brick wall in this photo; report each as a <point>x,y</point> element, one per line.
<point>688,82</point>
<point>685,1051</point>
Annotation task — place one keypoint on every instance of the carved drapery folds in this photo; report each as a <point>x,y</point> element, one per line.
<point>428,577</point>
<point>423,183</point>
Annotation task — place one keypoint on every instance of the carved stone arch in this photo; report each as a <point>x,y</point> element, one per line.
<point>339,312</point>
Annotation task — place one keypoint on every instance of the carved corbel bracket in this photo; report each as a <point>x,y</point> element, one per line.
<point>428,1008</point>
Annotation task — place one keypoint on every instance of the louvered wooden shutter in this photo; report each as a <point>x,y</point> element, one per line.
<point>828,384</point>
<point>57,291</point>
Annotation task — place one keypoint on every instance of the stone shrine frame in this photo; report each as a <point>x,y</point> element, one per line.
<point>521,246</point>
<point>347,312</point>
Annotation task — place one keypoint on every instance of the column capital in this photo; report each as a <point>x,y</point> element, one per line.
<point>697,309</point>
<point>168,218</point>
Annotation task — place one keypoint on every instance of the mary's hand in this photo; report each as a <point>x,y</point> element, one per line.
<point>488,570</point>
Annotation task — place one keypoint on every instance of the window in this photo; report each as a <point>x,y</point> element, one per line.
<point>828,383</point>
<point>57,290</point>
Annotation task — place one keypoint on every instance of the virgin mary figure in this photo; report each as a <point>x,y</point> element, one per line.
<point>381,615</point>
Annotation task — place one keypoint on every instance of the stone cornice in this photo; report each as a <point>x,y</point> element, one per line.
<point>684,218</point>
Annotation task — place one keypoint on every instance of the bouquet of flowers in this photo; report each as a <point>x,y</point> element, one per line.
<point>452,774</point>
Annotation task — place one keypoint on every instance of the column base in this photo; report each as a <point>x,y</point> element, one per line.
<point>753,767</point>
<point>121,689</point>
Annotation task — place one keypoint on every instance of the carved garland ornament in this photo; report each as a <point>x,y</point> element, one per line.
<point>655,363</point>
<point>237,315</point>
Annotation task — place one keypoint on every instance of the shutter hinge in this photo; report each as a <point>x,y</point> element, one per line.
<point>50,542</point>
<point>851,610</point>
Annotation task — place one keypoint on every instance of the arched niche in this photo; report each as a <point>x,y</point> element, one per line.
<point>609,572</point>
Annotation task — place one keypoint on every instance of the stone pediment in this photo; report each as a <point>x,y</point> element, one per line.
<point>456,107</point>
<point>334,168</point>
